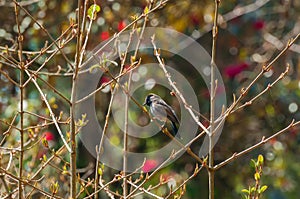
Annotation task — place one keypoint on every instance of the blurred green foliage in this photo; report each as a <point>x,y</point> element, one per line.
<point>245,44</point>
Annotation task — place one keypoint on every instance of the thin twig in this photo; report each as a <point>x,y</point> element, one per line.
<point>251,148</point>
<point>127,100</point>
<point>52,115</point>
<point>172,84</point>
<point>45,30</point>
<point>100,147</point>
<point>7,189</point>
<point>25,182</point>
<point>145,191</point>
<point>132,67</point>
<point>159,5</point>
<point>183,184</point>
<point>22,92</point>
<point>270,85</point>
<point>213,88</point>
<point>35,73</point>
<point>244,91</point>
<point>23,3</point>
<point>185,147</point>
<point>78,58</point>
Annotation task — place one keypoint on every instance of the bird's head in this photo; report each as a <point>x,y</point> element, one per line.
<point>149,99</point>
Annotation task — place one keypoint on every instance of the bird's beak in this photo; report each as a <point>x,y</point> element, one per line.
<point>144,104</point>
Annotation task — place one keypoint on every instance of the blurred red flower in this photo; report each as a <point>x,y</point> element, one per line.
<point>258,24</point>
<point>149,165</point>
<point>234,69</point>
<point>104,79</point>
<point>49,136</point>
<point>104,35</point>
<point>121,25</point>
<point>195,19</point>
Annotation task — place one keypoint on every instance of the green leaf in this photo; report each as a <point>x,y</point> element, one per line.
<point>146,10</point>
<point>253,163</point>
<point>45,143</point>
<point>246,191</point>
<point>92,11</point>
<point>256,176</point>
<point>100,171</point>
<point>54,187</point>
<point>260,159</point>
<point>94,67</point>
<point>113,62</point>
<point>263,189</point>
<point>44,158</point>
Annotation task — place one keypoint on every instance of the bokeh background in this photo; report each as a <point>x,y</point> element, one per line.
<point>251,34</point>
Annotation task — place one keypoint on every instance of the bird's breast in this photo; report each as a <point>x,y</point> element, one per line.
<point>158,112</point>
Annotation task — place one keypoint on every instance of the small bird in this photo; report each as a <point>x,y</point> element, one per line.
<point>162,111</point>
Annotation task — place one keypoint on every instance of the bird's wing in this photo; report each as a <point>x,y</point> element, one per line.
<point>158,111</point>
<point>171,115</point>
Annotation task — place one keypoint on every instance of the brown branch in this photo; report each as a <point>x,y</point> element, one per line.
<point>22,92</point>
<point>263,141</point>
<point>43,96</point>
<point>127,99</point>
<point>23,3</point>
<point>35,73</point>
<point>249,102</point>
<point>8,77</point>
<point>45,30</point>
<point>10,126</point>
<point>172,84</point>
<point>264,69</point>
<point>145,191</point>
<point>159,5</point>
<point>132,67</point>
<point>183,184</point>
<point>213,88</point>
<point>25,182</point>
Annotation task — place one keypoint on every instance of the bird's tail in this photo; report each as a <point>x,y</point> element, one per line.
<point>175,130</point>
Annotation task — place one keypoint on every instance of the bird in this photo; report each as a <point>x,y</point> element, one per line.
<point>162,111</point>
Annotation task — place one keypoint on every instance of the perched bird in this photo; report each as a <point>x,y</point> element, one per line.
<point>162,111</point>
